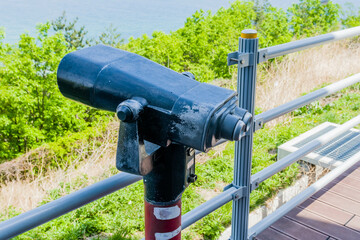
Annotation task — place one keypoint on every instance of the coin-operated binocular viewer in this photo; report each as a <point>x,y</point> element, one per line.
<point>164,117</point>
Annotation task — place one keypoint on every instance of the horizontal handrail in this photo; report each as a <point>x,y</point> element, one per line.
<point>301,197</point>
<point>304,100</point>
<point>33,218</point>
<point>209,206</point>
<point>286,48</point>
<point>276,167</point>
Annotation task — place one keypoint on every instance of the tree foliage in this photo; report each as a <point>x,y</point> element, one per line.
<point>75,36</point>
<point>110,37</point>
<point>310,17</point>
<point>32,110</point>
<point>352,16</point>
<point>202,45</point>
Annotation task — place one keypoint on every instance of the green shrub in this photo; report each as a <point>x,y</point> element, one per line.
<point>310,17</point>
<point>32,109</point>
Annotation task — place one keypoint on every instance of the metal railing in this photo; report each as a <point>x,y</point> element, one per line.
<point>247,59</point>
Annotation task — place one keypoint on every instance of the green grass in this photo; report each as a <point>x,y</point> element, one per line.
<point>121,214</point>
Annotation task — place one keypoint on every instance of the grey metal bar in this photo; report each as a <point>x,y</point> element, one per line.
<point>264,174</point>
<point>248,43</point>
<point>304,100</point>
<point>286,48</point>
<point>207,207</point>
<point>269,220</point>
<point>33,218</point>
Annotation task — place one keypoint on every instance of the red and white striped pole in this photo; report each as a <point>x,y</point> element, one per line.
<point>173,171</point>
<point>163,222</point>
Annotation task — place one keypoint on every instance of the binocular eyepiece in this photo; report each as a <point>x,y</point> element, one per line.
<point>154,103</point>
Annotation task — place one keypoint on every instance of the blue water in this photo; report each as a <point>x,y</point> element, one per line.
<point>131,17</point>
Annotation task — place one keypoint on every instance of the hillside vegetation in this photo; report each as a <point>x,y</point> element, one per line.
<point>53,146</point>
<point>32,110</point>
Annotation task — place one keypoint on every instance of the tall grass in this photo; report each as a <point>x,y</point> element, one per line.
<point>303,71</point>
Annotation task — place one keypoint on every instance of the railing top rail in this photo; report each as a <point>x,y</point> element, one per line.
<point>286,48</point>
<point>306,99</point>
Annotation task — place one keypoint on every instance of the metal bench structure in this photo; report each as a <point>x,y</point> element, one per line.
<point>247,59</point>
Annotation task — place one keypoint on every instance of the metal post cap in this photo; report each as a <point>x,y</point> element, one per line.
<point>249,33</point>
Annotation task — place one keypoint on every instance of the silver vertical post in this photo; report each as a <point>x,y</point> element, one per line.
<point>248,43</point>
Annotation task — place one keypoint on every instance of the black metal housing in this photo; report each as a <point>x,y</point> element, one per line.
<point>179,108</point>
<point>156,104</point>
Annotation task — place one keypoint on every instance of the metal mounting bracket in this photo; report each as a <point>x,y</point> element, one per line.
<point>254,184</point>
<point>262,55</point>
<point>258,124</point>
<point>242,59</point>
<point>239,193</point>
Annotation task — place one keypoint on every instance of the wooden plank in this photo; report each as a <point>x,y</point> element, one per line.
<point>322,224</point>
<point>297,230</point>
<point>272,234</point>
<point>354,223</point>
<point>345,191</point>
<point>353,171</point>
<point>355,174</point>
<point>352,182</point>
<point>327,211</point>
<point>338,201</point>
<point>344,180</point>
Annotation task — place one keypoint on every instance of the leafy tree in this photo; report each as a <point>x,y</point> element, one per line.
<point>351,17</point>
<point>110,37</point>
<point>260,7</point>
<point>202,45</point>
<point>310,17</point>
<point>75,37</point>
<point>32,109</point>
<point>273,28</point>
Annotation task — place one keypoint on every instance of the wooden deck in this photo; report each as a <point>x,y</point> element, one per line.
<point>332,213</point>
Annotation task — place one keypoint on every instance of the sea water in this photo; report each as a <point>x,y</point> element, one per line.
<point>130,17</point>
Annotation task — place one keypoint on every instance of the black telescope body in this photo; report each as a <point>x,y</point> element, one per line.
<point>167,107</point>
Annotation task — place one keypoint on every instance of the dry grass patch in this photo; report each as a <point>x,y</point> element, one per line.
<point>25,193</point>
<point>303,71</point>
